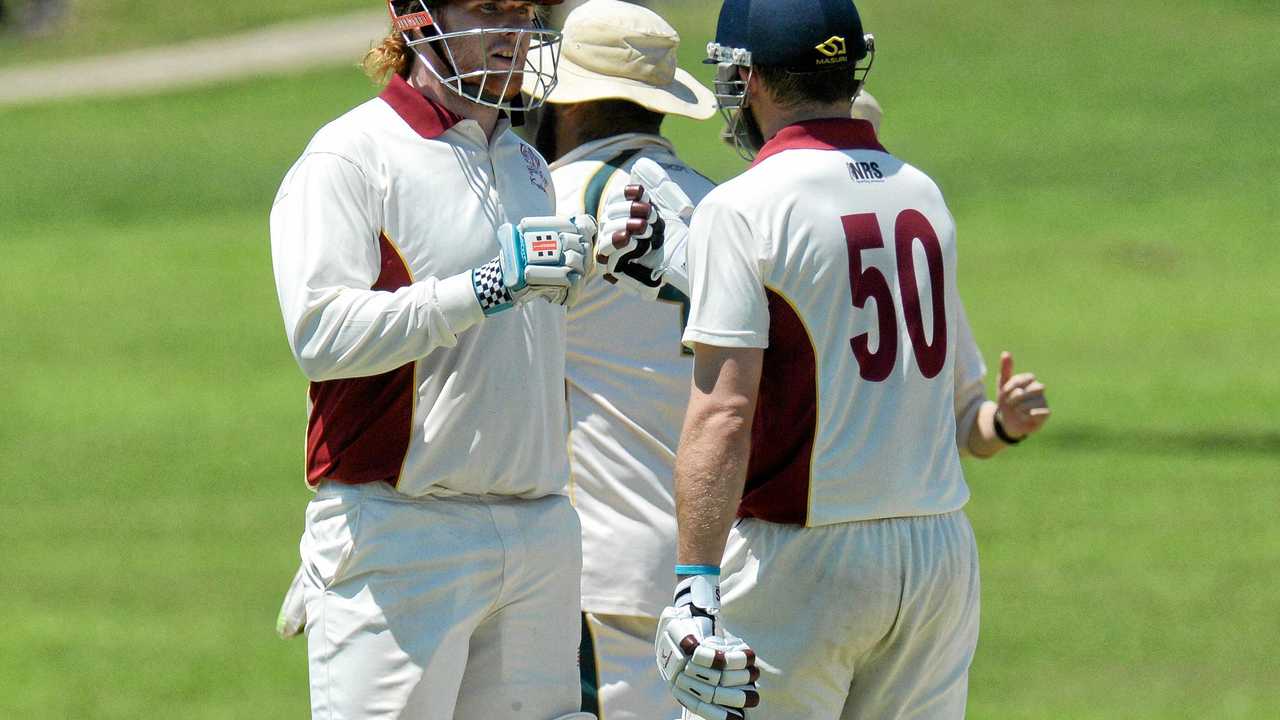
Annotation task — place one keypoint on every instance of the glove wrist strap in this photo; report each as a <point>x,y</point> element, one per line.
<point>685,570</point>
<point>492,293</point>
<point>700,591</point>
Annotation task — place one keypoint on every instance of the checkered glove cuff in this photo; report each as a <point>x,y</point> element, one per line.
<point>486,280</point>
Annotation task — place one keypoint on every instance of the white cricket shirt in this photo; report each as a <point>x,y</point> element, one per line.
<point>628,384</point>
<point>840,260</point>
<point>374,233</point>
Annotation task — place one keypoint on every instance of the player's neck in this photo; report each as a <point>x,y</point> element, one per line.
<point>773,118</point>
<point>430,86</point>
<point>577,124</point>
<point>571,135</point>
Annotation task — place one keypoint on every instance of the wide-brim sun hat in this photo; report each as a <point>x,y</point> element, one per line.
<point>617,50</point>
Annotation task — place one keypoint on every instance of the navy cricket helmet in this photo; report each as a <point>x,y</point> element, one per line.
<point>799,36</point>
<point>796,36</point>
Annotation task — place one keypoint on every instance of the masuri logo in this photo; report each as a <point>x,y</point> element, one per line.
<point>833,46</point>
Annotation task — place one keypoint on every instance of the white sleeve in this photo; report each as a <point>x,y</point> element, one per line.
<point>970,380</point>
<point>728,307</point>
<point>325,230</point>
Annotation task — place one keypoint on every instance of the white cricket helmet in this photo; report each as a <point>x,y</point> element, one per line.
<point>541,44</point>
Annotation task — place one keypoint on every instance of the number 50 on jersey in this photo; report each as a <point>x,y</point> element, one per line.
<point>862,233</point>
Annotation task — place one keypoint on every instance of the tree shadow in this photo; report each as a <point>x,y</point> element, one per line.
<point>1091,438</point>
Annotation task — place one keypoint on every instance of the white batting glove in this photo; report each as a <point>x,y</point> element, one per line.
<point>541,257</point>
<point>713,676</point>
<point>646,233</point>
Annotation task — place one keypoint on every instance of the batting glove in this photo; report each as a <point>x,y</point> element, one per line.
<point>541,257</point>
<point>646,233</point>
<point>711,673</point>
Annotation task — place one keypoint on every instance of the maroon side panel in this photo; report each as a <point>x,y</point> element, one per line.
<point>359,428</point>
<point>786,421</point>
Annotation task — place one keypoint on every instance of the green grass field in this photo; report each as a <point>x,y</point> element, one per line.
<point>1113,170</point>
<point>100,26</point>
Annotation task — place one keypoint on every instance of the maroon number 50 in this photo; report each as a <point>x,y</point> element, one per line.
<point>862,232</point>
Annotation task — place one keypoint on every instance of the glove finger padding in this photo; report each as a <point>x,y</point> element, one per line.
<point>622,231</point>
<point>542,276</point>
<point>547,222</point>
<point>727,653</point>
<point>706,710</point>
<point>634,231</point>
<point>743,696</point>
<point>576,260</point>
<point>734,678</point>
<point>586,227</point>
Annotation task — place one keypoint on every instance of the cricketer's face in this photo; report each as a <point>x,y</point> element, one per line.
<point>497,52</point>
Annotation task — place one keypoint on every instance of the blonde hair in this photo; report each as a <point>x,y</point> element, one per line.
<point>389,57</point>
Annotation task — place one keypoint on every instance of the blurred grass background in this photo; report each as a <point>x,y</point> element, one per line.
<point>1112,168</point>
<point>91,27</point>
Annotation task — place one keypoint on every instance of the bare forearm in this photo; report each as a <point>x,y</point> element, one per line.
<point>711,470</point>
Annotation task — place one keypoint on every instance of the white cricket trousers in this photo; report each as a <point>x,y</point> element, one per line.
<point>620,679</point>
<point>872,620</point>
<point>432,609</point>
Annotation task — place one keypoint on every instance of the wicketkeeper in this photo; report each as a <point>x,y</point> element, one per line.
<point>423,277</point>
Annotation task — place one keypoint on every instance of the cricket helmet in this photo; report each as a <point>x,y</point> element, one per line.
<point>796,36</point>
<point>538,69</point>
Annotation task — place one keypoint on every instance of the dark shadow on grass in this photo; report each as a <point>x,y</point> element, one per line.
<point>1090,439</point>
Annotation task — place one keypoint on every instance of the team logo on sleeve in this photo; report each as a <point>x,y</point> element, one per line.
<point>538,176</point>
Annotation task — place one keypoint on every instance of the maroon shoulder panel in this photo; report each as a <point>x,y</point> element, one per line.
<point>359,428</point>
<point>785,423</point>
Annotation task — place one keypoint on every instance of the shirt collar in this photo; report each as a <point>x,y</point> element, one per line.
<point>613,145</point>
<point>427,117</point>
<point>825,134</point>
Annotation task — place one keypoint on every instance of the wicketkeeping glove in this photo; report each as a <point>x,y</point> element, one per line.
<point>711,673</point>
<point>645,234</point>
<point>541,257</point>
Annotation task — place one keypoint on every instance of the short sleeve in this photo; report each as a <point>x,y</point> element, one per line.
<point>728,306</point>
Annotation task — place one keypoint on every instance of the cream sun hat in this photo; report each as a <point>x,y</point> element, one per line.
<point>618,50</point>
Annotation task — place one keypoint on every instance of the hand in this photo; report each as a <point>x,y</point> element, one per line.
<point>541,257</point>
<point>1021,405</point>
<point>646,233</point>
<point>712,674</point>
